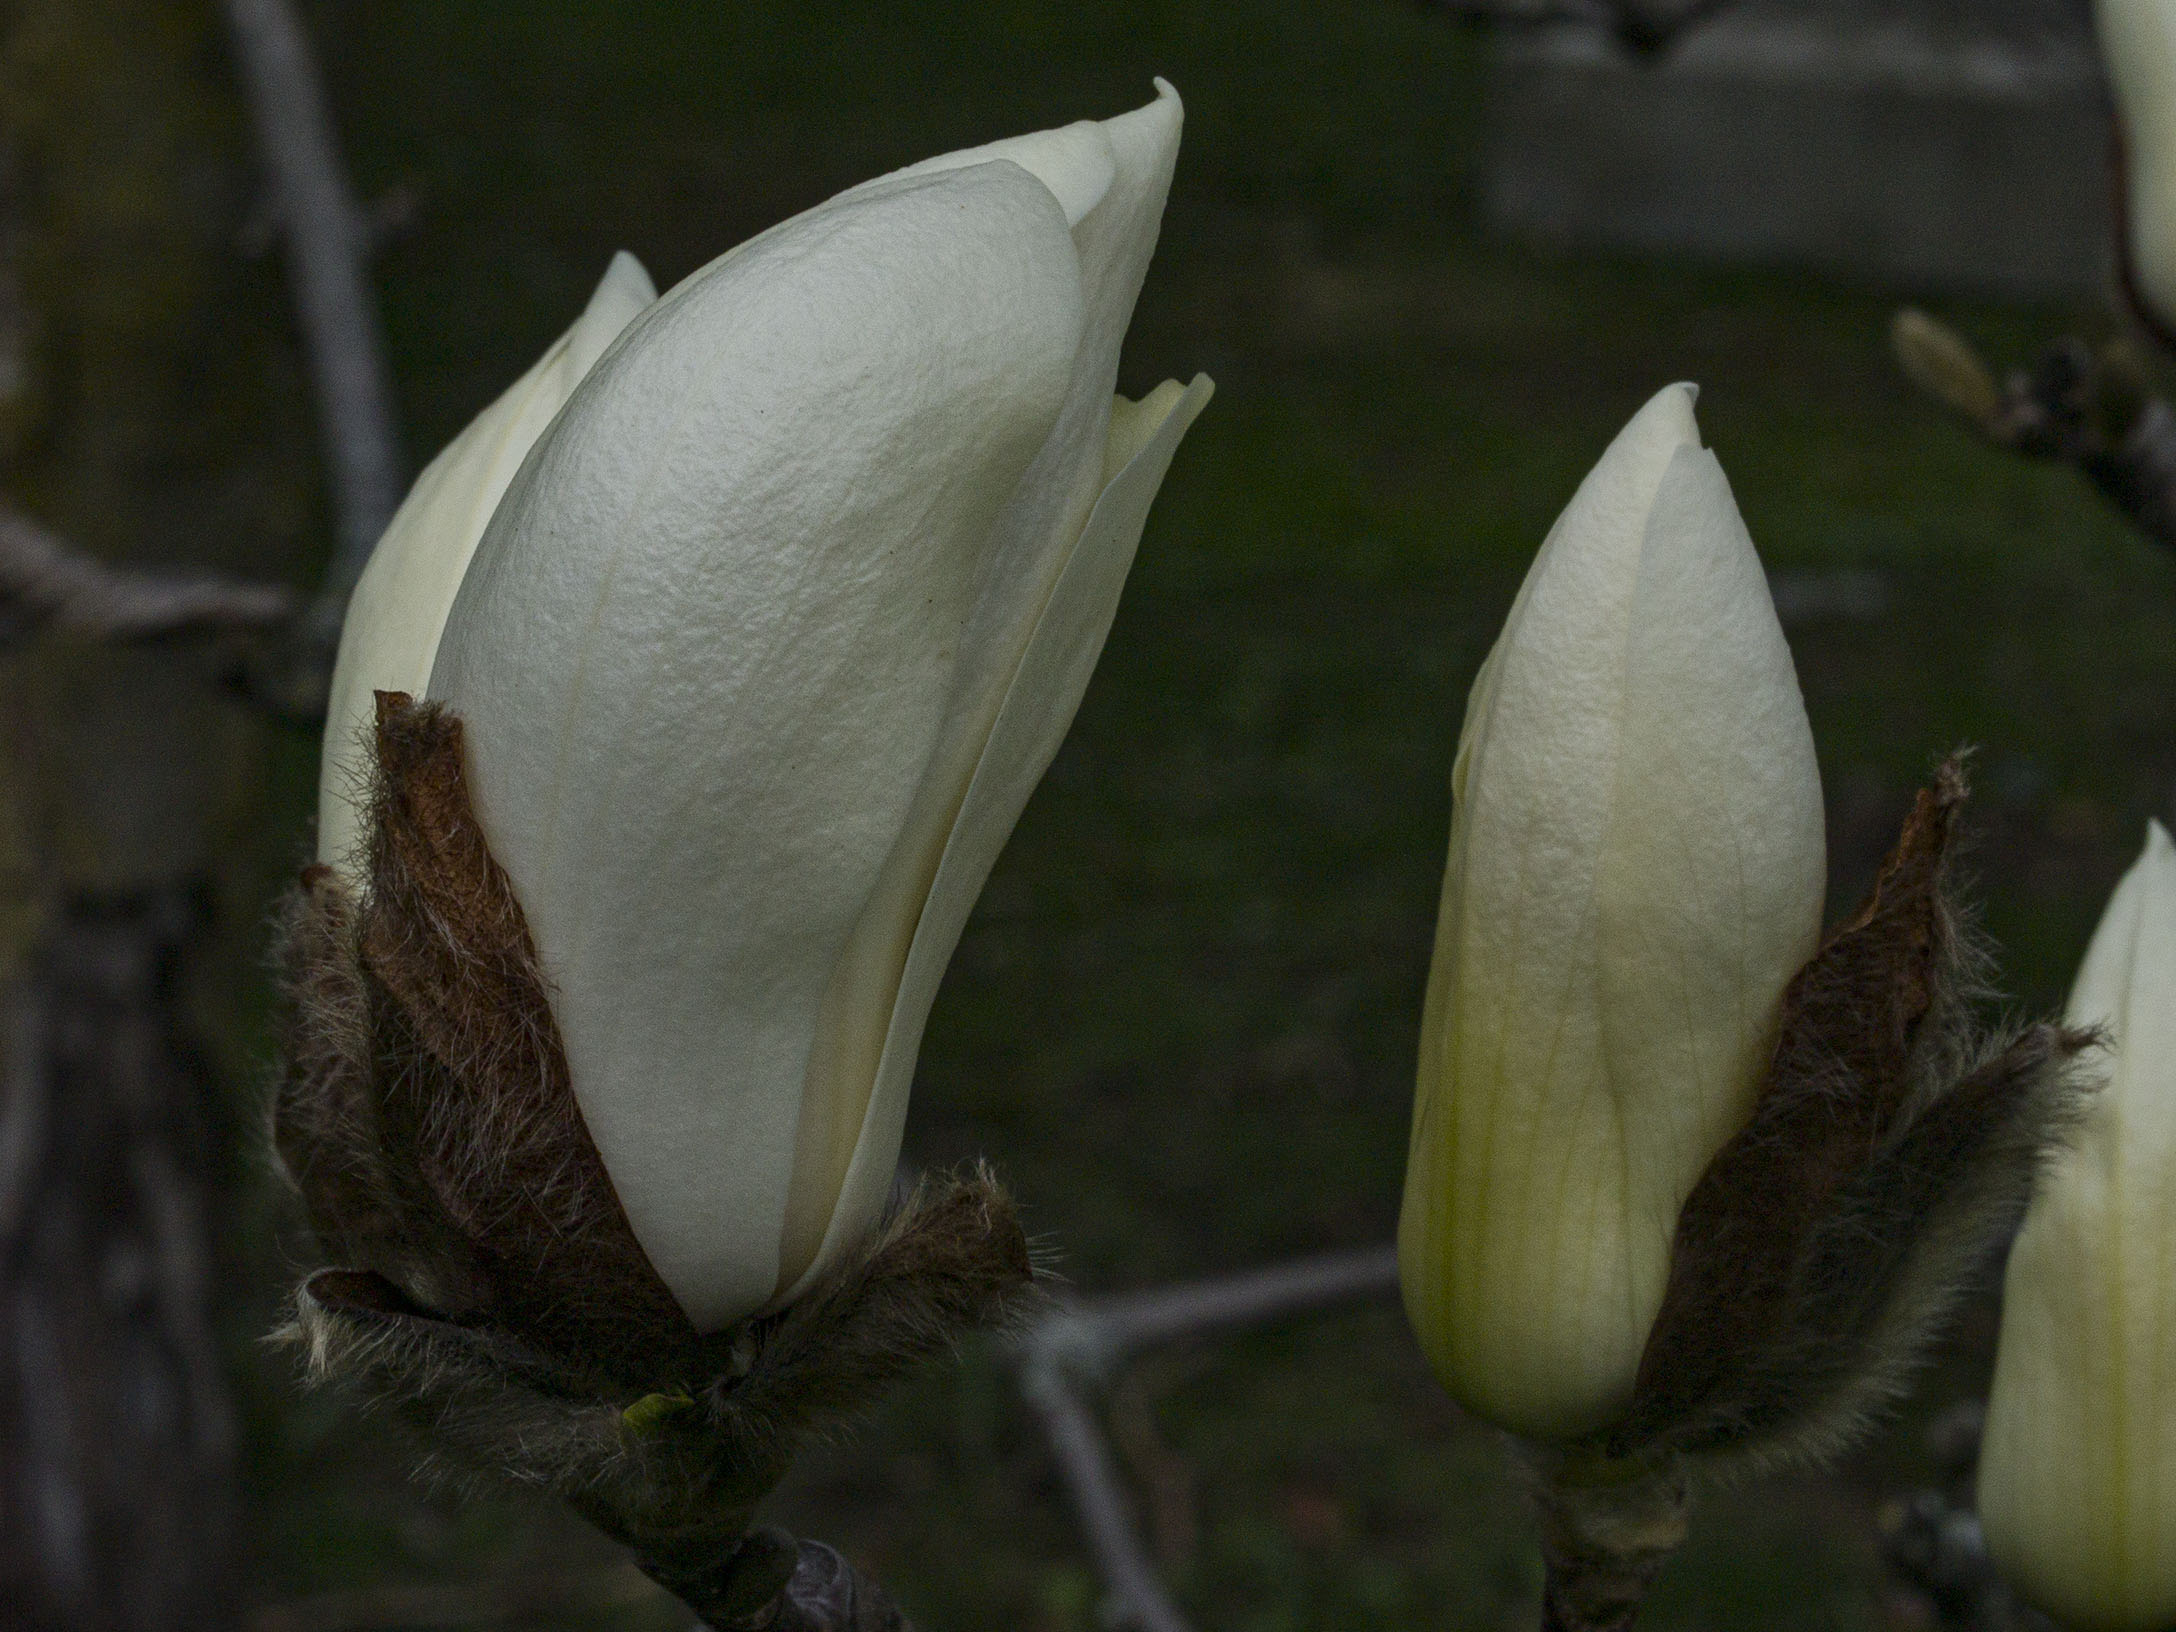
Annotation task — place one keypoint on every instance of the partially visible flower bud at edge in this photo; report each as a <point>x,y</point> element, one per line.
<point>2077,1480</point>
<point>1636,871</point>
<point>2138,45</point>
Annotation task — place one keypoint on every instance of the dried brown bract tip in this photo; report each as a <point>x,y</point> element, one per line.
<point>491,1290</point>
<point>1893,1146</point>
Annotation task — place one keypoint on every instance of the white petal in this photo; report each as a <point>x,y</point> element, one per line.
<point>705,653</point>
<point>1037,710</point>
<point>400,603</point>
<point>1112,179</point>
<point>1611,504</point>
<point>2077,1481</point>
<point>1116,174</point>
<point>1074,162</point>
<point>2138,40</point>
<point>1710,885</point>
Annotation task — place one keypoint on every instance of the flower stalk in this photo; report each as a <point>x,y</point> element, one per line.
<point>1607,1525</point>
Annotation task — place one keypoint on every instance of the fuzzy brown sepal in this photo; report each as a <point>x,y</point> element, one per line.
<point>491,1289</point>
<point>426,1114</point>
<point>677,1475</point>
<point>1607,1529</point>
<point>1893,1145</point>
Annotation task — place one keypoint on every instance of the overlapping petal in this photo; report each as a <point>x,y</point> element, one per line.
<point>400,603</point>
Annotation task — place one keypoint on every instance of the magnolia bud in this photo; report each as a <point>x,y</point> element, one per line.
<point>1636,871</point>
<point>2077,1481</point>
<point>763,651</point>
<point>2138,42</point>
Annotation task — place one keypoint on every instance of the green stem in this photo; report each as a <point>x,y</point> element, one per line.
<point>1607,1529</point>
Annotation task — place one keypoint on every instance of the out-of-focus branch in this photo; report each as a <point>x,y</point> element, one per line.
<point>328,244</point>
<point>2079,405</point>
<point>117,1433</point>
<point>1931,1539</point>
<point>1646,27</point>
<point>117,1439</point>
<point>1078,1346</point>
<point>46,584</point>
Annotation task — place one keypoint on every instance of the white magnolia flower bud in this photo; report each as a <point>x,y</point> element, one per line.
<point>1636,871</point>
<point>768,643</point>
<point>401,600</point>
<point>2138,43</point>
<point>2077,1479</point>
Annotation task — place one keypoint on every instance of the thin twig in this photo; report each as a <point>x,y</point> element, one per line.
<point>2087,406</point>
<point>22,1102</point>
<point>1137,1598</point>
<point>45,583</point>
<point>328,243</point>
<point>1082,1342</point>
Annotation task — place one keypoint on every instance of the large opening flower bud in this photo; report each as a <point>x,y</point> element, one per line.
<point>765,647</point>
<point>1636,871</point>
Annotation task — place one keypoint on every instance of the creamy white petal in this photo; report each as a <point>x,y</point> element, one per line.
<point>706,650</point>
<point>1073,161</point>
<point>1710,885</point>
<point>1636,870</point>
<point>2138,42</point>
<point>1037,710</point>
<point>400,604</point>
<point>1112,179</point>
<point>2077,1477</point>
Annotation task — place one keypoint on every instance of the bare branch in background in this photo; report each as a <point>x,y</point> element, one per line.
<point>117,1439</point>
<point>328,247</point>
<point>1076,1348</point>
<point>1931,1539</point>
<point>46,584</point>
<point>2094,408</point>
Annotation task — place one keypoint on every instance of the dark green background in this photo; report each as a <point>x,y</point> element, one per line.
<point>1182,1020</point>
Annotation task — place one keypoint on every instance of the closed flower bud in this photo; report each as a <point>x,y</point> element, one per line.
<point>762,652</point>
<point>1636,871</point>
<point>2077,1482</point>
<point>2138,43</point>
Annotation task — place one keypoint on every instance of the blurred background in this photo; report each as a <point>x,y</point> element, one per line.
<point>1432,267</point>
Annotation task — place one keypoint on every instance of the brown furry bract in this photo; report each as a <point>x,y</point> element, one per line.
<point>427,1117</point>
<point>1893,1145</point>
<point>951,1258</point>
<point>491,1288</point>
